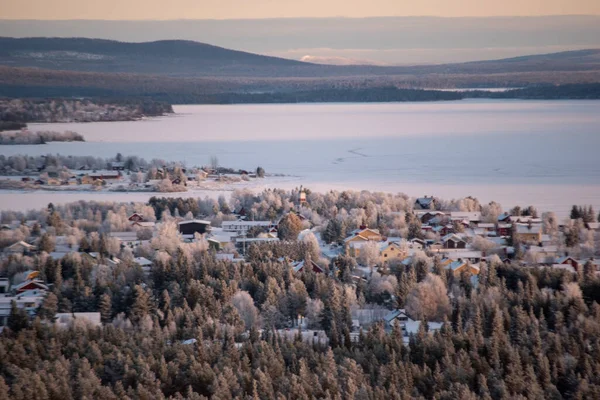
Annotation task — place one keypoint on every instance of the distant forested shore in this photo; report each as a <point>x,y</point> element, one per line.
<point>113,105</point>
<point>104,104</point>
<point>16,113</point>
<point>27,137</point>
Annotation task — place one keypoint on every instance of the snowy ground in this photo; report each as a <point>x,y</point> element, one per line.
<point>541,153</point>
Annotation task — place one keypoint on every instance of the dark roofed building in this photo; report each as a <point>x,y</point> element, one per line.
<point>194,226</point>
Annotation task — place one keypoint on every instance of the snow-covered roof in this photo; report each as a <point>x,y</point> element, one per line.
<point>392,315</point>
<point>455,265</point>
<point>195,221</point>
<point>142,261</point>
<point>526,228</point>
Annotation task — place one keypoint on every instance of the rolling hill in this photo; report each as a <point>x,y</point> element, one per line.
<point>181,58</point>
<point>178,71</point>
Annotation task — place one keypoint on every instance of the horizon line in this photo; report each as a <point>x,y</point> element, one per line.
<point>299,18</point>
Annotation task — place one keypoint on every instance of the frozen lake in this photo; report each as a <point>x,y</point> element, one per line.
<point>543,153</point>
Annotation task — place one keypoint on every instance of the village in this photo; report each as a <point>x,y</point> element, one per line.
<point>120,174</point>
<point>459,245</point>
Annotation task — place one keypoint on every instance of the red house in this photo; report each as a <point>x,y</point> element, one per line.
<point>33,284</point>
<point>135,217</point>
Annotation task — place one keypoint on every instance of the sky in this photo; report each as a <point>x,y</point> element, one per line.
<point>250,9</point>
<point>378,32</point>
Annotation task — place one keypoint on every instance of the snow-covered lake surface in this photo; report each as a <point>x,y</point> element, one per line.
<point>543,153</point>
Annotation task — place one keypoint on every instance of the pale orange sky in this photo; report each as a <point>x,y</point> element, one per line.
<point>235,9</point>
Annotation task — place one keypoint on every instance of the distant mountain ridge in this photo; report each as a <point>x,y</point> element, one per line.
<point>194,59</point>
<point>170,57</point>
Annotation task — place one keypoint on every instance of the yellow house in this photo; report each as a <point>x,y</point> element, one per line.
<point>390,250</point>
<point>460,266</point>
<point>360,235</point>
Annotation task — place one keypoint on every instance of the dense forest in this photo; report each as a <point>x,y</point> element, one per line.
<point>590,91</point>
<point>154,102</point>
<point>14,112</point>
<point>198,327</point>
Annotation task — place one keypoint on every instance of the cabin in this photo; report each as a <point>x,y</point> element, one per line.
<point>504,229</point>
<point>144,224</point>
<point>529,233</point>
<point>425,203</point>
<point>34,284</point>
<point>459,266</point>
<point>432,217</point>
<point>360,235</point>
<point>135,217</point>
<point>298,266</point>
<point>116,166</point>
<point>398,315</point>
<point>390,250</point>
<point>504,218</point>
<point>453,241</point>
<point>241,227</point>
<point>104,175</point>
<point>567,260</point>
<point>468,216</point>
<point>19,247</point>
<point>194,226</point>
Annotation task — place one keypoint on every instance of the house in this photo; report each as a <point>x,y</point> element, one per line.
<point>360,235</point>
<point>19,247</point>
<point>529,233</point>
<point>473,256</point>
<point>425,218</point>
<point>125,237</point>
<point>416,244</point>
<point>453,241</point>
<point>104,175</point>
<point>459,266</point>
<point>194,226</point>
<point>144,224</point>
<point>299,266</point>
<point>567,260</point>
<point>504,229</point>
<point>242,227</point>
<point>135,217</point>
<point>504,218</point>
<point>390,250</point>
<point>469,216</point>
<point>398,315</point>
<point>87,180</point>
<point>33,284</point>
<point>116,166</point>
<point>29,301</point>
<point>425,203</point>
<point>407,324</point>
<point>593,226</point>
<point>488,227</point>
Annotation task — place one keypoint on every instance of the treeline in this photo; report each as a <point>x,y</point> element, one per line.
<point>342,95</point>
<point>28,137</point>
<point>18,111</point>
<point>153,102</point>
<point>577,91</point>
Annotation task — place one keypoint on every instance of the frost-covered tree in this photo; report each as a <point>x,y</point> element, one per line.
<point>429,299</point>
